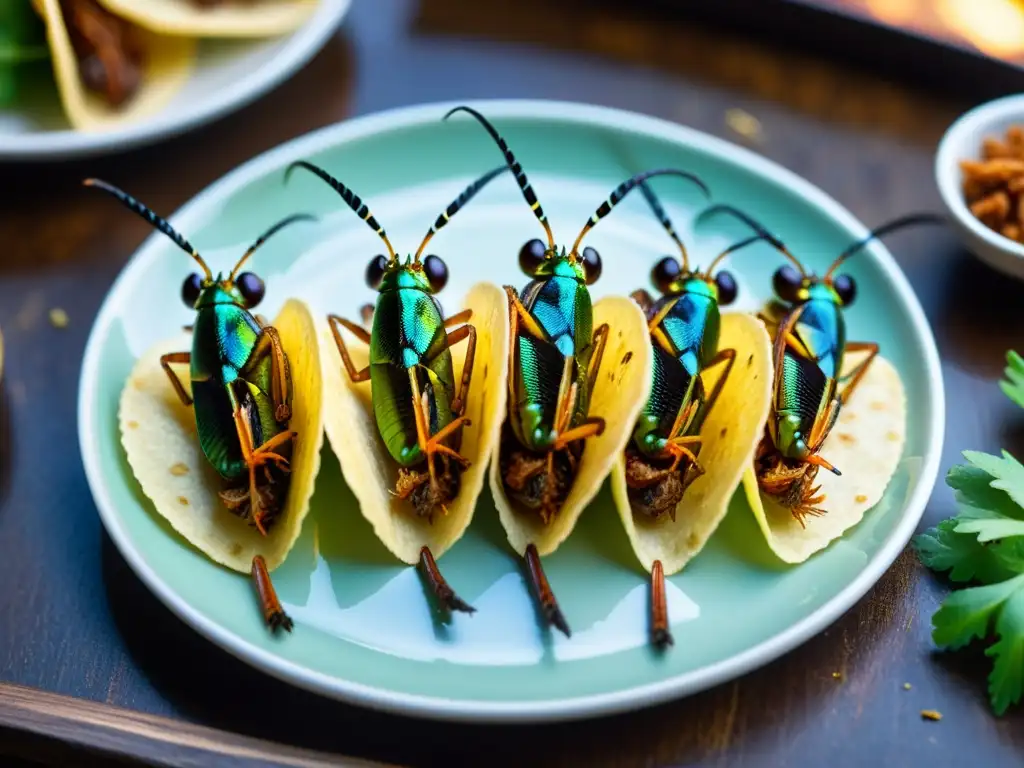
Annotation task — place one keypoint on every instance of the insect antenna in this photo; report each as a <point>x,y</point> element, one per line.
<point>517,170</point>
<point>266,236</point>
<point>666,222</point>
<point>903,221</point>
<point>734,247</point>
<point>625,188</point>
<point>467,194</point>
<point>152,219</point>
<point>757,227</point>
<point>351,199</point>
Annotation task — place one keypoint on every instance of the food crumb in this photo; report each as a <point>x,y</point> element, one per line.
<point>845,437</point>
<point>723,432</point>
<point>860,498</point>
<point>892,437</point>
<point>627,357</point>
<point>179,469</point>
<point>744,124</point>
<point>58,318</point>
<point>183,501</point>
<point>931,714</point>
<point>906,686</point>
<point>133,424</point>
<point>837,675</point>
<point>236,548</point>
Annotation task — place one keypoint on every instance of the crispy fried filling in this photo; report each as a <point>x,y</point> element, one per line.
<point>109,52</point>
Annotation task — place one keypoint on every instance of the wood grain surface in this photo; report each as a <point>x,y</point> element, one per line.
<point>75,620</point>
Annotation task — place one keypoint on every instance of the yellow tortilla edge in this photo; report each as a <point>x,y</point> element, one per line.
<point>365,462</point>
<point>178,18</point>
<point>740,412</point>
<point>158,433</point>
<point>169,64</point>
<point>619,392</point>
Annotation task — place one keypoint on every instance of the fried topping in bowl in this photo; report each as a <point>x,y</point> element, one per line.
<point>994,186</point>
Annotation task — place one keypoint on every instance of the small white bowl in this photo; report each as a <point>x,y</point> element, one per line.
<point>962,142</point>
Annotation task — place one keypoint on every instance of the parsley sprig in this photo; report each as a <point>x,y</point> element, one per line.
<point>983,544</point>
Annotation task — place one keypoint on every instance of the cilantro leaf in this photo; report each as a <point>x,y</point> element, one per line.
<point>990,528</point>
<point>1006,681</point>
<point>969,613</point>
<point>943,549</point>
<point>973,487</point>
<point>1007,473</point>
<point>1013,386</point>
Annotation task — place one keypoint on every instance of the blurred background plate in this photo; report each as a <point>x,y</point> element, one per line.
<point>365,632</point>
<point>228,74</point>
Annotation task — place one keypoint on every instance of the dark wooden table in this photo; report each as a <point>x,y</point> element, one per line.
<point>74,620</point>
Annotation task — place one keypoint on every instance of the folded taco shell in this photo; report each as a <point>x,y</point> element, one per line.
<point>159,435</point>
<point>730,436</point>
<point>368,468</point>
<point>618,397</point>
<point>231,18</point>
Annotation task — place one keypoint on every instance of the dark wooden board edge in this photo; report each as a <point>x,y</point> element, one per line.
<point>50,729</point>
<point>890,52</point>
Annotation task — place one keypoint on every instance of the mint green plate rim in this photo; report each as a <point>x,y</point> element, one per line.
<point>931,403</point>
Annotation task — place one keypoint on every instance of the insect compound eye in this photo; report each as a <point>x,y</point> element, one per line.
<point>591,264</point>
<point>786,282</point>
<point>251,286</point>
<point>846,288</point>
<point>727,288</point>
<point>375,271</point>
<point>665,273</point>
<point>436,271</point>
<point>190,290</point>
<point>531,256</point>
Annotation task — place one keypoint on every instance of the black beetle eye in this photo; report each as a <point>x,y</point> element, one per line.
<point>436,271</point>
<point>190,290</point>
<point>664,273</point>
<point>846,288</point>
<point>375,271</point>
<point>531,256</point>
<point>727,289</point>
<point>251,286</point>
<point>787,282</point>
<point>591,264</point>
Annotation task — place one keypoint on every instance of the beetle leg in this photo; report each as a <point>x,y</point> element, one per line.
<point>548,604</point>
<point>464,332</point>
<point>431,444</point>
<point>273,613</point>
<point>592,427</point>
<point>165,363</point>
<point>359,333</point>
<point>523,316</point>
<point>676,447</point>
<point>643,298</point>
<point>857,373</point>
<point>268,342</point>
<point>459,318</point>
<point>445,594</point>
<point>661,636</point>
<point>600,340</point>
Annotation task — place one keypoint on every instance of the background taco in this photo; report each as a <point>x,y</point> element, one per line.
<point>159,435</point>
<point>108,70</point>
<point>368,468</point>
<point>215,18</point>
<point>729,440</point>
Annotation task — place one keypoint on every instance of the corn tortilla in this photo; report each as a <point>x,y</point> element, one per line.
<point>618,396</point>
<point>168,64</point>
<point>159,435</point>
<point>865,445</point>
<point>230,19</point>
<point>729,440</point>
<point>369,470</point>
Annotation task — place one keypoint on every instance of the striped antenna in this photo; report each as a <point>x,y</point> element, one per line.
<point>884,229</point>
<point>516,168</point>
<point>152,219</point>
<point>467,194</point>
<point>666,222</point>
<point>351,199</point>
<point>266,236</point>
<point>625,188</point>
<point>757,227</point>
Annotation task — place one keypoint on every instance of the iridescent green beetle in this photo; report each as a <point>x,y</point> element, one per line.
<point>809,347</point>
<point>240,388</point>
<point>555,356</point>
<point>418,411</point>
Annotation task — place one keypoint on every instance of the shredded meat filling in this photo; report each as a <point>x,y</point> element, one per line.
<point>108,50</point>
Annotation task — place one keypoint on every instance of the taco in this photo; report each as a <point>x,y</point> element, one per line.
<point>215,18</point>
<point>109,71</point>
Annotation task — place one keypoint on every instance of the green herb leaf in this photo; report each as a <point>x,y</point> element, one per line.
<point>1007,473</point>
<point>969,613</point>
<point>1006,681</point>
<point>991,528</point>
<point>943,549</point>
<point>973,487</point>
<point>1013,387</point>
